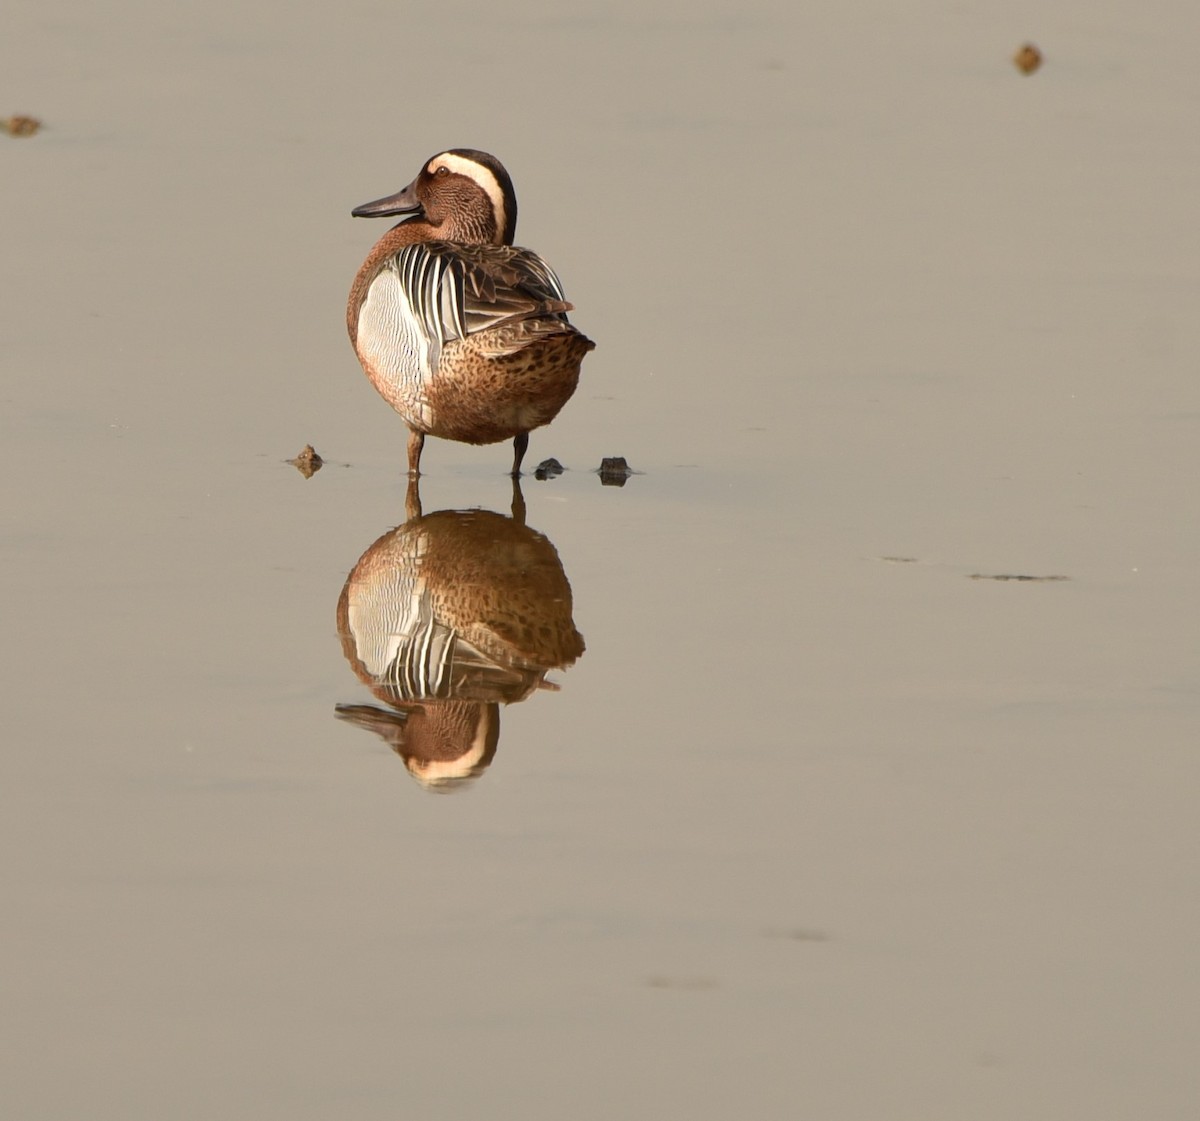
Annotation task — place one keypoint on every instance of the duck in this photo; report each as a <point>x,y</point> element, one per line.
<point>463,333</point>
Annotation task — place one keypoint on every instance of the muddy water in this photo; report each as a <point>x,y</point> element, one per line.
<point>826,819</point>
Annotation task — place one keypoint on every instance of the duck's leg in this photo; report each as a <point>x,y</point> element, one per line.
<point>520,443</point>
<point>416,441</point>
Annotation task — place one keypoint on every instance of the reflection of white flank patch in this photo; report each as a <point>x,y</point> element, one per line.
<point>383,615</point>
<point>484,176</point>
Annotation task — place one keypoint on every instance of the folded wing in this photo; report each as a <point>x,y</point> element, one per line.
<point>454,291</point>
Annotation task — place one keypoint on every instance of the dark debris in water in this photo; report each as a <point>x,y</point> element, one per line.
<point>1020,576</point>
<point>20,125</point>
<point>548,469</point>
<point>614,471</point>
<point>308,463</point>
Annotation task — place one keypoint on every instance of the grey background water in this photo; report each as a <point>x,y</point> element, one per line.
<point>807,831</point>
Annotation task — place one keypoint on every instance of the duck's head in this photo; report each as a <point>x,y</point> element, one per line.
<point>463,194</point>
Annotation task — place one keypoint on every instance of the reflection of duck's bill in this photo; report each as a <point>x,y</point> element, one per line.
<point>386,724</point>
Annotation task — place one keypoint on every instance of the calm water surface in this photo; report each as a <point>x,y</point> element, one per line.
<point>825,820</point>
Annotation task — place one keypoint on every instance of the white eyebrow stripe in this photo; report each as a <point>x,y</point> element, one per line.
<point>484,176</point>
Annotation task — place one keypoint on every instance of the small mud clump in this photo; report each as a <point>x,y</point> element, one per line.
<point>614,471</point>
<point>548,469</point>
<point>308,463</point>
<point>1027,59</point>
<point>20,125</point>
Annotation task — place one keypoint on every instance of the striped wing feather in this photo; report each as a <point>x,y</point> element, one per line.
<point>460,290</point>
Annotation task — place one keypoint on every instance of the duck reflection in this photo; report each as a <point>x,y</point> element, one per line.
<point>444,619</point>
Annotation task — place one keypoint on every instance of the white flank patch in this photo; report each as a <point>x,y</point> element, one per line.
<point>392,338</point>
<point>476,172</point>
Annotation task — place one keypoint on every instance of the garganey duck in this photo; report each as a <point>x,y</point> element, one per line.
<point>462,333</point>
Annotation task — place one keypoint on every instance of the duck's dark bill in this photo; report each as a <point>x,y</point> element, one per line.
<point>403,202</point>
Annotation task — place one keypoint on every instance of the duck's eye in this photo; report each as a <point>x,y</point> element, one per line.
<point>442,171</point>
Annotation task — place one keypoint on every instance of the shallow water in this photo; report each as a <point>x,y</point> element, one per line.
<point>824,820</point>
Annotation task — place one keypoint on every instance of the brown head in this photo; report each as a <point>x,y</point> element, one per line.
<point>461,195</point>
